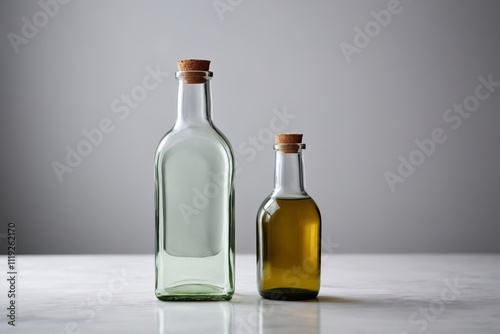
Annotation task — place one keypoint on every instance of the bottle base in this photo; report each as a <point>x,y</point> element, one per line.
<point>194,292</point>
<point>187,298</point>
<point>288,294</point>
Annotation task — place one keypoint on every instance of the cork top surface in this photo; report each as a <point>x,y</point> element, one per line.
<point>288,142</point>
<point>193,65</point>
<point>288,138</point>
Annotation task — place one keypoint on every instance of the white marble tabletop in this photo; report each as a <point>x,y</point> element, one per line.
<point>359,294</point>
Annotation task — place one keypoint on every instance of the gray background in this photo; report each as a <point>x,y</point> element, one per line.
<point>357,118</point>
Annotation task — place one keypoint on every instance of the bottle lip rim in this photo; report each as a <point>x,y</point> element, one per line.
<point>290,147</point>
<point>181,74</point>
<point>194,77</point>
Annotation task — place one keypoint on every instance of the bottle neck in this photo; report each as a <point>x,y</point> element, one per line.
<point>194,104</point>
<point>289,175</point>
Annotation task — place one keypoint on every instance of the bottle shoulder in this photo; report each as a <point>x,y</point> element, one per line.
<point>194,137</point>
<point>202,141</point>
<point>288,209</point>
<point>292,202</point>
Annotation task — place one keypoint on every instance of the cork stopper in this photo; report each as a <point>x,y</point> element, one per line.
<point>194,70</point>
<point>193,65</point>
<point>289,142</point>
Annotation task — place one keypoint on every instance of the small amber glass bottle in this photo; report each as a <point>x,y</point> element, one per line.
<point>288,230</point>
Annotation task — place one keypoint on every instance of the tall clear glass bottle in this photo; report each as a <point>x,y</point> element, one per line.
<point>288,230</point>
<point>194,198</point>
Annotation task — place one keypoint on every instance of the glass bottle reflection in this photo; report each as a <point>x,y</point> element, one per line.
<point>193,317</point>
<point>285,317</point>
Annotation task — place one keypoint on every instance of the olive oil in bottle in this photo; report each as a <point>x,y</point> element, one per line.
<point>289,230</point>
